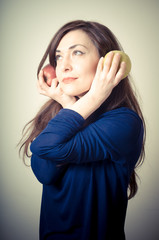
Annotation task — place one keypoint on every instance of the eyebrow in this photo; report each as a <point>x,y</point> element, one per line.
<point>73,46</point>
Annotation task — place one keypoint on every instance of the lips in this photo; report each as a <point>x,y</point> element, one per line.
<point>68,80</point>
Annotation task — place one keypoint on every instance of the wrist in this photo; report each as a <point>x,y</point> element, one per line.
<point>95,100</point>
<point>86,105</point>
<point>68,102</point>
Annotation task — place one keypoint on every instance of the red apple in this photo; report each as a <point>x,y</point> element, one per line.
<point>49,74</point>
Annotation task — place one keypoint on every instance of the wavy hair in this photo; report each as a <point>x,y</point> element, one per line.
<point>123,95</point>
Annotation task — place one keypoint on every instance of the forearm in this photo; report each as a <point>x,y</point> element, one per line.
<point>59,131</point>
<point>86,105</point>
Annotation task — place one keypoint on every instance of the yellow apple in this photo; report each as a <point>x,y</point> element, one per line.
<point>124,58</point>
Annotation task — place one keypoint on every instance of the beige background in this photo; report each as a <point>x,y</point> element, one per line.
<point>26,28</point>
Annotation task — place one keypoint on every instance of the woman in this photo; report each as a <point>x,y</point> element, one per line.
<point>87,140</point>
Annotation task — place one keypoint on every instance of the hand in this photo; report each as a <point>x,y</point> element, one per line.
<point>54,91</point>
<point>107,77</point>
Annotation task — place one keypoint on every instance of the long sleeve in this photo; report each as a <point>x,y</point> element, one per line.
<point>85,172</point>
<point>47,172</point>
<point>115,133</point>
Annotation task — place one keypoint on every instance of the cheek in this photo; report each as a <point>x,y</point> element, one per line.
<point>86,70</point>
<point>90,74</point>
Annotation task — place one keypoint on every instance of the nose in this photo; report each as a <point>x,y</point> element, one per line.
<point>66,64</point>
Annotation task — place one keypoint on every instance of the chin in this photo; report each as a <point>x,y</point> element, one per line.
<point>75,93</point>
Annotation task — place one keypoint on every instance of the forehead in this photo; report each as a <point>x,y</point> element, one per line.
<point>74,38</point>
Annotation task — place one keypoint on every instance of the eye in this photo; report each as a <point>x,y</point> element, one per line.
<point>77,52</point>
<point>58,57</point>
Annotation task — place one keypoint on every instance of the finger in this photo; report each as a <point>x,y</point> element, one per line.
<point>120,73</point>
<point>41,82</point>
<point>41,75</point>
<point>108,62</point>
<point>115,65</point>
<point>54,83</point>
<point>99,67</point>
<point>40,90</point>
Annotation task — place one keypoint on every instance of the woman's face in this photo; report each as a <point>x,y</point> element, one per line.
<point>77,60</point>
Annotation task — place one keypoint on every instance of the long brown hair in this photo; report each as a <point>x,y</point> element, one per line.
<point>122,95</point>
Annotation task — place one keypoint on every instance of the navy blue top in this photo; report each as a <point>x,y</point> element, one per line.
<point>85,173</point>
